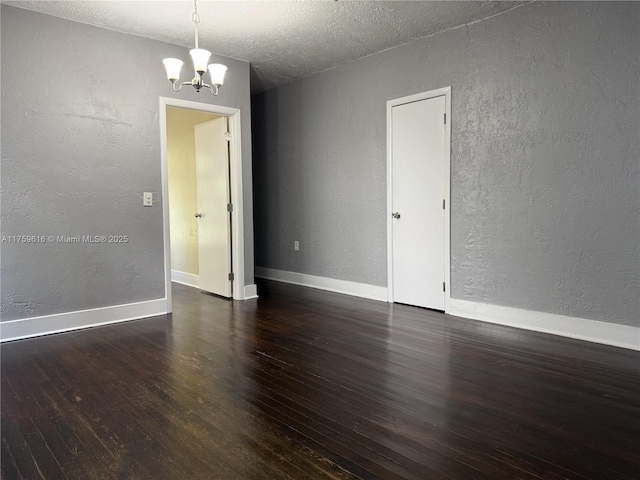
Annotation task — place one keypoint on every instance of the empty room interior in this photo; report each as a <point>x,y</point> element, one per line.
<point>320,240</point>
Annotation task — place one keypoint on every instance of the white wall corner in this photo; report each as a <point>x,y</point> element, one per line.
<point>64,322</point>
<point>363,290</point>
<point>184,278</point>
<point>624,336</point>
<point>250,292</point>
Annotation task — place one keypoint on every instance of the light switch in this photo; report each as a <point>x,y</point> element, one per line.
<point>147,199</point>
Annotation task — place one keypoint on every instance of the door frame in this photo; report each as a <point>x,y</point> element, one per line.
<point>235,171</point>
<point>446,92</point>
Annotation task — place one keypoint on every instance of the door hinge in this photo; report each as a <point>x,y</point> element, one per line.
<point>231,277</point>
<point>444,286</point>
<point>445,118</point>
<point>443,203</point>
<point>229,207</point>
<point>227,136</point>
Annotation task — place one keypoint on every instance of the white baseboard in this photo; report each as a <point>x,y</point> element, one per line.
<point>250,292</point>
<point>191,280</point>
<point>624,336</point>
<point>63,322</point>
<point>355,289</point>
<point>188,279</point>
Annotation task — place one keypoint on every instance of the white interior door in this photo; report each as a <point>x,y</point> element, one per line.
<point>214,223</point>
<point>418,190</point>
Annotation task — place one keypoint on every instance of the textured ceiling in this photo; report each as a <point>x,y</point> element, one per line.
<point>283,40</point>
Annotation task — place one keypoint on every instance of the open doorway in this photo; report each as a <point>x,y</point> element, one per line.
<point>198,174</point>
<point>202,197</point>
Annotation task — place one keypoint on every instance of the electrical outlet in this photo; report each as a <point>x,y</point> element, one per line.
<point>296,246</point>
<point>147,199</point>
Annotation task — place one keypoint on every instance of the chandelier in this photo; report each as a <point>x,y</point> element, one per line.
<point>200,58</point>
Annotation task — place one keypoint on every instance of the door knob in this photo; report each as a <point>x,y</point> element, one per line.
<point>198,215</point>
<point>395,215</point>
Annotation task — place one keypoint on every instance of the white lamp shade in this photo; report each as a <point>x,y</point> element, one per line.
<point>173,66</point>
<point>200,59</point>
<point>217,72</point>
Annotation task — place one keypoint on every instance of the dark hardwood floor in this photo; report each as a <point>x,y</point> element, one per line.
<point>304,384</point>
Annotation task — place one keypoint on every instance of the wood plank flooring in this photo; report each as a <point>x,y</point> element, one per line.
<point>304,384</point>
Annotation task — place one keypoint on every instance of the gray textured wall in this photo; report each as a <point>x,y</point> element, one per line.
<point>80,143</point>
<point>545,160</point>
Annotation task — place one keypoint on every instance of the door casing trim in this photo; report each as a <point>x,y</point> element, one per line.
<point>446,92</point>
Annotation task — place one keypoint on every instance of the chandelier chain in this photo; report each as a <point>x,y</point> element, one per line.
<point>195,17</point>
<point>196,20</point>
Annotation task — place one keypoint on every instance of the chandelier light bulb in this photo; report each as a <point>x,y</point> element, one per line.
<point>200,58</point>
<point>217,71</point>
<point>173,66</point>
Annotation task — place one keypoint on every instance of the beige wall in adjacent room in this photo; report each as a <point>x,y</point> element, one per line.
<point>182,187</point>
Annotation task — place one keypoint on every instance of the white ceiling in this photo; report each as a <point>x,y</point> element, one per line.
<point>283,40</point>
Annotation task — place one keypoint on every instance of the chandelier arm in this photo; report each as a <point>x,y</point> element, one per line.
<point>173,84</point>
<point>213,88</point>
